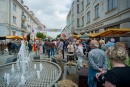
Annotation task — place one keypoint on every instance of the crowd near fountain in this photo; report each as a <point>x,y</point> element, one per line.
<point>23,64</point>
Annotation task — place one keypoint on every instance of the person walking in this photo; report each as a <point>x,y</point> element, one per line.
<point>48,47</point>
<point>79,54</point>
<point>97,62</point>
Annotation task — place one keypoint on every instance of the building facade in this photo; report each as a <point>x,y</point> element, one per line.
<point>94,16</point>
<point>69,24</point>
<point>17,19</point>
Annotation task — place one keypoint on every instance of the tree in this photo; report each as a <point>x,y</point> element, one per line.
<point>40,35</point>
<point>58,36</point>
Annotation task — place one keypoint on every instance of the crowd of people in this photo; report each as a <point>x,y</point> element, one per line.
<point>108,59</point>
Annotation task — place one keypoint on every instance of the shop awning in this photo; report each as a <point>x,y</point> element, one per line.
<point>76,36</point>
<point>114,33</point>
<point>38,39</point>
<point>13,37</point>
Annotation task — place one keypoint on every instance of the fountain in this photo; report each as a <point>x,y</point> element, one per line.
<point>38,74</point>
<point>8,78</point>
<point>23,80</point>
<point>25,71</point>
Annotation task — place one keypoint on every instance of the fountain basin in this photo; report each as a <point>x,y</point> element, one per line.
<point>49,75</point>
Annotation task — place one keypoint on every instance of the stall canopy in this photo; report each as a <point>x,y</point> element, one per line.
<point>76,36</point>
<point>13,37</point>
<point>114,33</point>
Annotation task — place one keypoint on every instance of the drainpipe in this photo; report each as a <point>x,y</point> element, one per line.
<point>9,17</point>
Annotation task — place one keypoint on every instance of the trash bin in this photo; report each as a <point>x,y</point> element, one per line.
<point>83,77</point>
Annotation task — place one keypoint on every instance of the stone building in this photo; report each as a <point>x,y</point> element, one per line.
<point>17,19</point>
<point>93,16</point>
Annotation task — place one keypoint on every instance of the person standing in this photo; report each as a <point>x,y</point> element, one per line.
<point>43,47</point>
<point>102,45</point>
<point>37,47</point>
<point>66,44</point>
<point>60,48</point>
<point>70,48</point>
<point>52,48</point>
<point>29,47</point>
<point>119,75</point>
<point>9,47</point>
<point>97,62</point>
<point>109,44</point>
<point>84,46</point>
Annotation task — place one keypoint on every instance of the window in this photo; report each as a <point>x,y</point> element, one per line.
<point>14,19</point>
<point>77,0</point>
<point>88,2</point>
<point>22,13</point>
<point>77,8</point>
<point>96,31</point>
<point>82,5</point>
<point>97,11</point>
<point>22,2</point>
<point>14,7</point>
<point>83,21</point>
<point>113,27</point>
<point>14,33</point>
<point>111,4</point>
<point>78,22</point>
<point>88,17</point>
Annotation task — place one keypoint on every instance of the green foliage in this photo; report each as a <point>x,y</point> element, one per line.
<point>58,36</point>
<point>40,35</point>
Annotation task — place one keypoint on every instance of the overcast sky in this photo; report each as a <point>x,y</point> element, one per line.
<point>51,13</point>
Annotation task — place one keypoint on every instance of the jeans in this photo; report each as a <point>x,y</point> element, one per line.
<point>48,52</point>
<point>91,77</point>
<point>63,53</point>
<point>52,52</point>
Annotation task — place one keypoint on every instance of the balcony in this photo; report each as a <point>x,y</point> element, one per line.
<point>23,17</point>
<point>23,26</point>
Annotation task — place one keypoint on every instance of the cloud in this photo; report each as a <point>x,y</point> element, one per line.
<point>52,13</point>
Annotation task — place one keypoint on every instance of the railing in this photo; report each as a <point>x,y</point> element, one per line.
<point>23,17</point>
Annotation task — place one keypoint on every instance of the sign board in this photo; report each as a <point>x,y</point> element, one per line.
<point>51,30</point>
